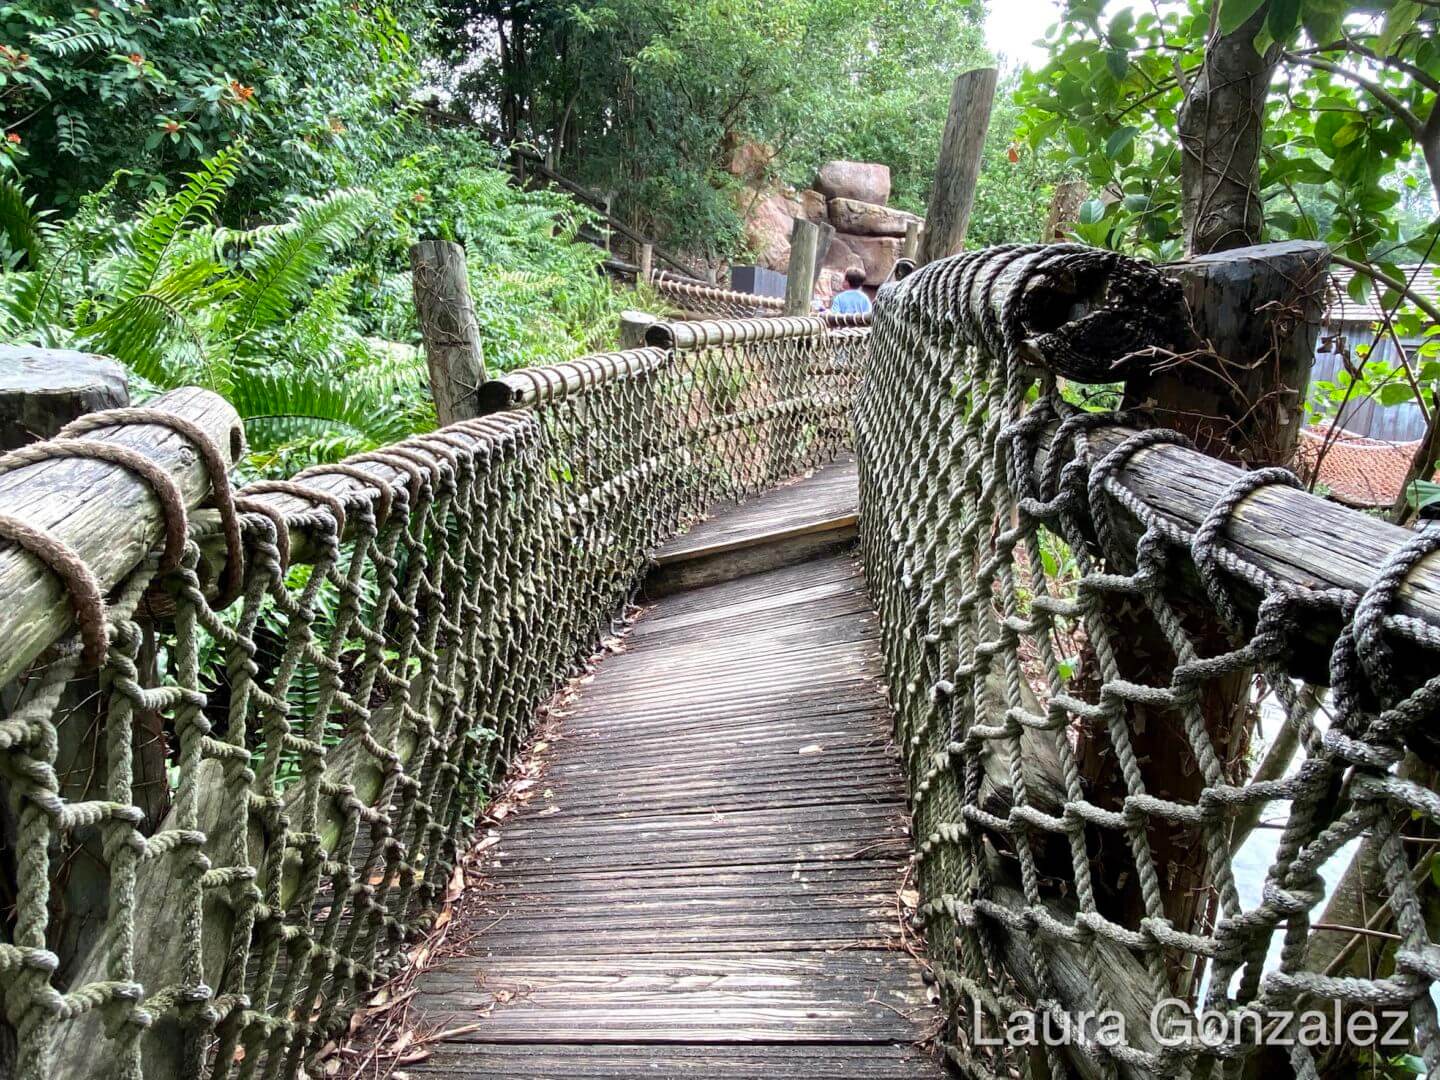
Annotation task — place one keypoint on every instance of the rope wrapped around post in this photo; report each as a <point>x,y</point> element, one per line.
<point>1000,524</point>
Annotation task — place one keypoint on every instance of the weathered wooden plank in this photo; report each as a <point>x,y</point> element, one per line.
<point>533,1061</point>
<point>712,852</point>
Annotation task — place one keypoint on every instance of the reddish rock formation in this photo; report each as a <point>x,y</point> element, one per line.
<point>858,180</point>
<point>868,219</point>
<point>875,255</point>
<point>812,206</point>
<point>767,229</point>
<point>750,161</point>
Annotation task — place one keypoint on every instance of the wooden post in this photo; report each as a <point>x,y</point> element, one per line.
<point>42,390</point>
<point>959,164</point>
<point>1256,312</point>
<point>647,264</point>
<point>448,327</point>
<point>822,248</point>
<point>910,246</point>
<point>800,275</point>
<point>633,325</point>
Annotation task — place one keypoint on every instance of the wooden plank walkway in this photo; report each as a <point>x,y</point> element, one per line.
<point>826,500</point>
<point>706,882</point>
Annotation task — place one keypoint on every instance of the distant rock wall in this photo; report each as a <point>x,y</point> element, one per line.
<point>850,195</point>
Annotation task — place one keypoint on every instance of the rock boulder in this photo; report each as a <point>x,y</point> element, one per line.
<point>859,180</point>
<point>812,205</point>
<point>875,255</point>
<point>767,229</point>
<point>868,219</point>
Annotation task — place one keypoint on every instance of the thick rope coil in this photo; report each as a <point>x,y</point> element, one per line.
<point>217,469</point>
<point>86,597</point>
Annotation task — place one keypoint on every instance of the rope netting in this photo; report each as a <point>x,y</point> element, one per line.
<point>692,300</point>
<point>334,672</point>
<point>1083,686</point>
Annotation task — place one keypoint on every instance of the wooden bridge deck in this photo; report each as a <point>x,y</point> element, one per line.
<point>707,879</point>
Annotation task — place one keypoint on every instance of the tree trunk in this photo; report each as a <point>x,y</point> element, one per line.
<point>958,167</point>
<point>1221,126</point>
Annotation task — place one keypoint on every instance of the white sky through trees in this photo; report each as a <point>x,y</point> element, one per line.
<point>1013,26</point>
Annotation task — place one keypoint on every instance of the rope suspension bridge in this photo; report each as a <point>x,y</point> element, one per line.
<point>786,696</point>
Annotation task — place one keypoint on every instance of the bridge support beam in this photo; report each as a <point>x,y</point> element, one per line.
<point>958,168</point>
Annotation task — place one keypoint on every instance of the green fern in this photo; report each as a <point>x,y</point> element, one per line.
<point>79,39</point>
<point>72,134</point>
<point>21,224</point>
<point>164,220</point>
<point>281,261</point>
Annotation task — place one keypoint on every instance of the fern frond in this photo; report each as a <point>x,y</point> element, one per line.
<point>21,224</point>
<point>72,134</point>
<point>290,408</point>
<point>161,334</point>
<point>163,221</point>
<point>283,260</point>
<point>79,39</point>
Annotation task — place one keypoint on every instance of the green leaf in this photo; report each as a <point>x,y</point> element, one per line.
<point>1235,12</point>
<point>1091,211</point>
<point>1118,62</point>
<point>1398,21</point>
<point>1420,494</point>
<point>1348,134</point>
<point>1395,393</point>
<point>1322,19</point>
<point>1359,288</point>
<point>1283,18</point>
<point>1120,139</point>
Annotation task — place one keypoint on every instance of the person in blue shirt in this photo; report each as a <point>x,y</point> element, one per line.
<point>852,301</point>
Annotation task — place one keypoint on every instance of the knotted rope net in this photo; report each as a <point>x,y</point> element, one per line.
<point>1146,765</point>
<point>282,784</point>
<point>693,300</point>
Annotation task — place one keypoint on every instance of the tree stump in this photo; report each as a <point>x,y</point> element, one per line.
<point>42,390</point>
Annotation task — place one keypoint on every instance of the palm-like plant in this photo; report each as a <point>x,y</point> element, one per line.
<point>258,315</point>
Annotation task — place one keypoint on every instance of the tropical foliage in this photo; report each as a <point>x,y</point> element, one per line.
<point>305,325</point>
<point>650,99</point>
<point>1351,133</point>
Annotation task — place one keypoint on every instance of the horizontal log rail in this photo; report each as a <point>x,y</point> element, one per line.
<point>106,514</point>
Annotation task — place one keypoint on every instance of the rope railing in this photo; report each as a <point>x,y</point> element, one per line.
<point>1042,572</point>
<point>296,724</point>
<point>693,300</point>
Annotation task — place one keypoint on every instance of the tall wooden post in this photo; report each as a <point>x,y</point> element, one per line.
<point>448,327</point>
<point>800,274</point>
<point>1256,313</point>
<point>958,167</point>
<point>647,264</point>
<point>910,246</point>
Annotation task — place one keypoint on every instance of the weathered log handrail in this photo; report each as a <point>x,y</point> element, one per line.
<point>107,515</point>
